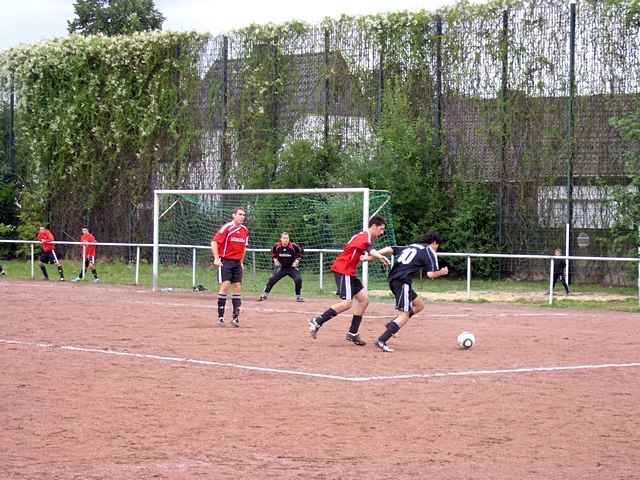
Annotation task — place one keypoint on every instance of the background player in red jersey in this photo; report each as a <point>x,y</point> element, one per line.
<point>48,255</point>
<point>88,241</point>
<point>349,287</point>
<point>286,258</point>
<point>410,260</point>
<point>229,245</point>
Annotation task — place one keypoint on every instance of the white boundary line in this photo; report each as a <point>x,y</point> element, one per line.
<point>357,379</point>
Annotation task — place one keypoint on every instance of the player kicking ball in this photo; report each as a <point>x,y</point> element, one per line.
<point>349,287</point>
<point>409,261</point>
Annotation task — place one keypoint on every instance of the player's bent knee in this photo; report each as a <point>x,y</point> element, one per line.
<point>417,305</point>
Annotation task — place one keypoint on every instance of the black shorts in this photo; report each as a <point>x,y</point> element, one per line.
<point>89,260</point>
<point>347,287</point>
<point>49,257</point>
<point>404,295</point>
<point>230,271</point>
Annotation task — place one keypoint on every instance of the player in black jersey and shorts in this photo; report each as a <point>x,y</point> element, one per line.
<point>286,258</point>
<point>409,260</point>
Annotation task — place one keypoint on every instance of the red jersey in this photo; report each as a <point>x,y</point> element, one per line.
<point>232,241</point>
<point>347,262</point>
<point>45,237</point>
<point>90,249</point>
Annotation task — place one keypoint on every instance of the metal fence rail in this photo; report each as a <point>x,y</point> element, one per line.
<point>322,252</point>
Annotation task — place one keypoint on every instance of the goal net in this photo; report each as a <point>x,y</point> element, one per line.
<point>321,220</point>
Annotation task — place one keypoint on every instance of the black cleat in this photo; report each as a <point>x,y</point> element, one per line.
<point>355,339</point>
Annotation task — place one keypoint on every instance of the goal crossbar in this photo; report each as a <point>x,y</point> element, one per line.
<point>365,192</point>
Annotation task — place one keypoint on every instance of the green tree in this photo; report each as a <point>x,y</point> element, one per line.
<point>115,17</point>
<point>628,198</point>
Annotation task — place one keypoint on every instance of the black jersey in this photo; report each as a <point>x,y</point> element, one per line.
<point>410,259</point>
<point>287,255</point>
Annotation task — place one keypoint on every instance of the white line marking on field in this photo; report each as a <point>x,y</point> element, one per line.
<point>409,376</point>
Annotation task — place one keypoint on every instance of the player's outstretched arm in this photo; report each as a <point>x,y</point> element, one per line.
<point>386,251</point>
<point>376,254</point>
<point>438,273</point>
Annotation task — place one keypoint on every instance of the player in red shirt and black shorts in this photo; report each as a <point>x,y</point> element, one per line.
<point>349,287</point>
<point>229,245</point>
<point>48,255</point>
<point>88,241</point>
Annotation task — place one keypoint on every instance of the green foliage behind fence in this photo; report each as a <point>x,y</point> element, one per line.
<point>463,114</point>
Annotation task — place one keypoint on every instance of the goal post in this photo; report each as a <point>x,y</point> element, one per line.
<point>321,219</point>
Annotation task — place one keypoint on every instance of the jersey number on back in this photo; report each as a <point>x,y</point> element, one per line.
<point>407,255</point>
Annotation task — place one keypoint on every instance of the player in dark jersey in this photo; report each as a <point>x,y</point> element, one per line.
<point>2,272</point>
<point>286,258</point>
<point>409,260</point>
<point>559,266</point>
<point>349,287</point>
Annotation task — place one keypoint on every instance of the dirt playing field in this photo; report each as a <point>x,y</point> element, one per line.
<point>101,382</point>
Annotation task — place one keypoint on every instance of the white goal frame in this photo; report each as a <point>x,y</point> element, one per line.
<point>288,191</point>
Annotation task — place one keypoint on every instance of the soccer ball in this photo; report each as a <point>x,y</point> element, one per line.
<point>466,340</point>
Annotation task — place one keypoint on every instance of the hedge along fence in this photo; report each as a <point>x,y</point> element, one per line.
<point>465,114</point>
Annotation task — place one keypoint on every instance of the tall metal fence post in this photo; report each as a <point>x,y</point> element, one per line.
<point>12,137</point>
<point>504,49</point>
<point>326,87</point>
<point>567,251</point>
<point>322,271</point>
<point>437,140</point>
<point>551,283</point>
<point>468,278</point>
<point>226,160</point>
<point>193,272</point>
<point>33,263</point>
<point>380,89</point>
<point>571,116</point>
<point>253,265</point>
<point>137,265</point>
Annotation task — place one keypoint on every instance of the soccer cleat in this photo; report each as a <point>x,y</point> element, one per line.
<point>355,339</point>
<point>262,297</point>
<point>96,280</point>
<point>3,272</point>
<point>314,326</point>
<point>299,299</point>
<point>236,322</point>
<point>61,279</point>
<point>77,279</point>
<point>384,347</point>
<point>221,322</point>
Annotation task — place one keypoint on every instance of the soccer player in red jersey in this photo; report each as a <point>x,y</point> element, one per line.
<point>349,287</point>
<point>48,255</point>
<point>88,242</point>
<point>229,245</point>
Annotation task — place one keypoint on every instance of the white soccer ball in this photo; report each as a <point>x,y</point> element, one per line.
<point>466,340</point>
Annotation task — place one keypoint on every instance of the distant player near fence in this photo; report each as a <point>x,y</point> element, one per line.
<point>229,246</point>
<point>559,266</point>
<point>48,254</point>
<point>349,287</point>
<point>409,260</point>
<point>286,259</point>
<point>2,272</point>
<point>88,243</point>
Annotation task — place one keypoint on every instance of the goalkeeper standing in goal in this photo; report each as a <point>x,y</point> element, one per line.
<point>229,245</point>
<point>349,287</point>
<point>286,258</point>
